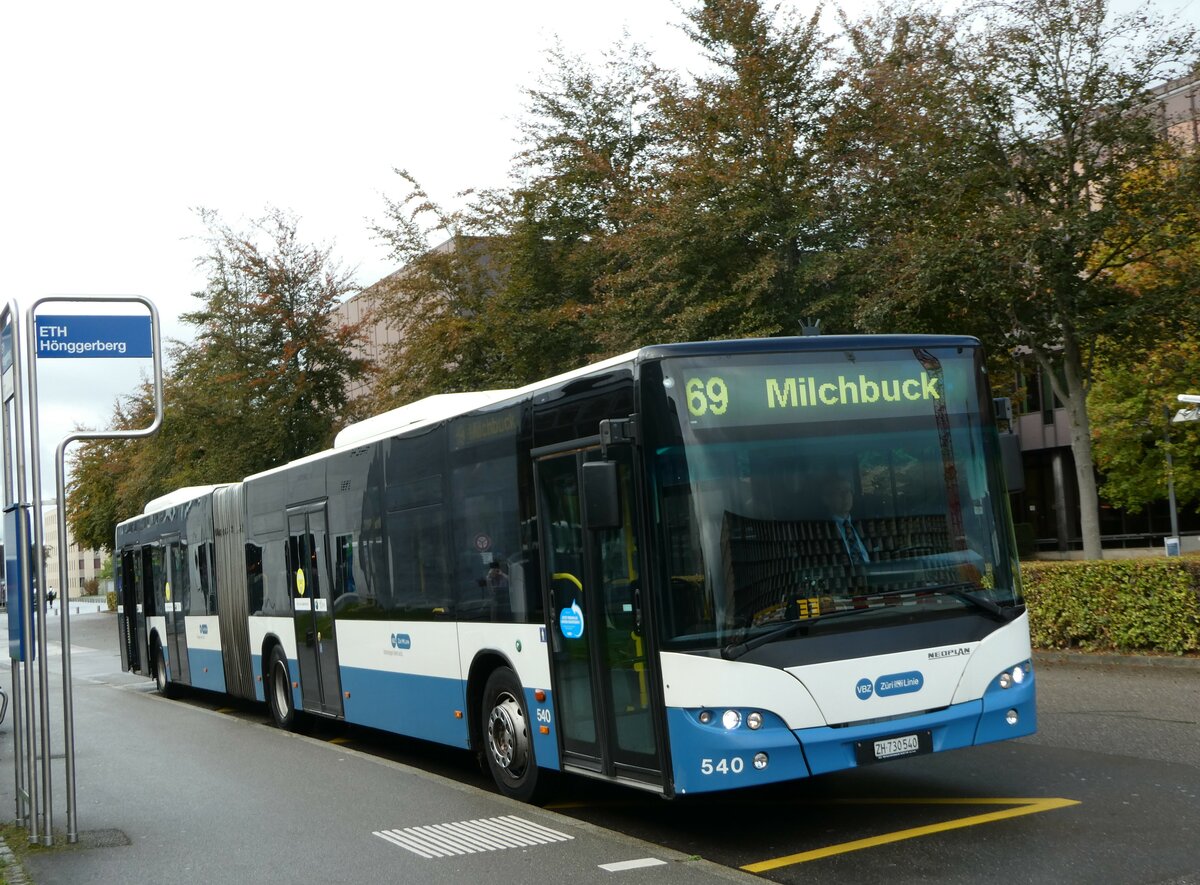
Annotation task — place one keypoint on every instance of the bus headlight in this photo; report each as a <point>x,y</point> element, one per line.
<point>706,716</point>
<point>760,761</point>
<point>1019,673</point>
<point>1011,717</point>
<point>754,721</point>
<point>731,719</point>
<point>1006,680</point>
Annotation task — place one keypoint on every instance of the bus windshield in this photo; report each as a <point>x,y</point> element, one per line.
<point>812,486</point>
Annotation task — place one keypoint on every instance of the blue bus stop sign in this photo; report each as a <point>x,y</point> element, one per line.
<point>16,533</point>
<point>92,337</point>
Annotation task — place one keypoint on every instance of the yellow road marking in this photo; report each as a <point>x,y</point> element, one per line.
<point>339,740</point>
<point>225,709</point>
<point>1021,807</point>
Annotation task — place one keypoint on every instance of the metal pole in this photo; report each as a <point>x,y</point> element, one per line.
<point>39,541</point>
<point>29,733</point>
<point>8,332</point>
<point>1170,474</point>
<point>65,625</point>
<point>18,768</point>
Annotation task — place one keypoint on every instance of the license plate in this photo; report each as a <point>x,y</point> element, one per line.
<point>894,747</point>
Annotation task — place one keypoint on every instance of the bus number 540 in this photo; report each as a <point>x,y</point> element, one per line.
<point>722,766</point>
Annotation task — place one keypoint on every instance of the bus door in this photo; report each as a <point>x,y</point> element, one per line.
<point>595,610</point>
<point>149,591</point>
<point>316,640</point>
<point>174,597</point>
<point>131,619</point>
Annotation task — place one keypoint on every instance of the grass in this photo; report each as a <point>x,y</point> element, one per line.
<point>17,840</point>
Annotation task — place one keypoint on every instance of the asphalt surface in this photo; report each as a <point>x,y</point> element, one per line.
<point>203,789</point>
<point>172,792</point>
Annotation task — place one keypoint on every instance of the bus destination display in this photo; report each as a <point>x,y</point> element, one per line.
<point>730,395</point>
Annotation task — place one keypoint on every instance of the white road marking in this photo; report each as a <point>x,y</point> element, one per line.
<point>622,865</point>
<point>472,836</point>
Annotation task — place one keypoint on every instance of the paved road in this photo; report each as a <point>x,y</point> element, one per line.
<point>1107,791</point>
<point>175,793</point>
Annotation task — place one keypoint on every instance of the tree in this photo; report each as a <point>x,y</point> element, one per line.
<point>1129,404</point>
<point>266,378</point>
<point>1066,177</point>
<point>263,383</point>
<point>436,303</point>
<point>724,236</point>
<point>585,162</point>
<point>106,484</point>
<point>1133,390</point>
<point>510,294</point>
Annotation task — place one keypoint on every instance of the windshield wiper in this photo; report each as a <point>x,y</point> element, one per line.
<point>963,590</point>
<point>735,650</point>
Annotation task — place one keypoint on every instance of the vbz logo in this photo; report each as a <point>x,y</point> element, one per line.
<point>401,640</point>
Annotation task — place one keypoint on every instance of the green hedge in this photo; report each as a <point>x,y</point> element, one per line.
<point>1127,605</point>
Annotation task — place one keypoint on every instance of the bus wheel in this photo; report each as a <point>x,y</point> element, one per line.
<point>508,737</point>
<point>279,690</point>
<point>161,682</point>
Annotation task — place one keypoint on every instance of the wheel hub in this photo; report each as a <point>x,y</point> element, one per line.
<point>508,738</point>
<point>281,689</point>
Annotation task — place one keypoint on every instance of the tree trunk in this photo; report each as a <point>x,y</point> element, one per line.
<point>1071,387</point>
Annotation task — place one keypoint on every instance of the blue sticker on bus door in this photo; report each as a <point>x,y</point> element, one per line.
<point>570,621</point>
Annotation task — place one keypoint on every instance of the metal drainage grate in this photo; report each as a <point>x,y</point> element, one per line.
<point>103,839</point>
<point>472,836</point>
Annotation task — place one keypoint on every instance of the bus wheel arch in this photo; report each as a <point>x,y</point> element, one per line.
<point>485,663</point>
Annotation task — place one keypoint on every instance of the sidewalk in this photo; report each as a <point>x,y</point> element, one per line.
<point>170,792</point>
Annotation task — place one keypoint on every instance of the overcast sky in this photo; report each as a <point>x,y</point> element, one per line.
<point>119,118</point>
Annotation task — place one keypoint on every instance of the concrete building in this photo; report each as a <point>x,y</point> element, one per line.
<point>1179,103</point>
<point>365,306</point>
<point>83,565</point>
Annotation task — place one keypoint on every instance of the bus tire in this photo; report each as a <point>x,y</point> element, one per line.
<point>508,738</point>
<point>161,682</point>
<point>279,690</point>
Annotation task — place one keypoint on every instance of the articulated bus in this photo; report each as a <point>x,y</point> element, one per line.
<point>627,572</point>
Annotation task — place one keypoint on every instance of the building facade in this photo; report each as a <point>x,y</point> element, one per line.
<point>83,565</point>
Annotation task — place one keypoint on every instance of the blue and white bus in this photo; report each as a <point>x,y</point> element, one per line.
<point>628,572</point>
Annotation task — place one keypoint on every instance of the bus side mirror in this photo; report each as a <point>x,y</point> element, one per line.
<point>601,497</point>
<point>1010,455</point>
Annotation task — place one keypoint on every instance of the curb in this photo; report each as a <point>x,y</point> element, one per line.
<point>1054,656</point>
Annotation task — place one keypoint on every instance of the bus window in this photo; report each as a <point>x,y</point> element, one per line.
<point>420,582</point>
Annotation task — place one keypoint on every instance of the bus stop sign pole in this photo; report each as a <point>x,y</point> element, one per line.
<point>78,336</point>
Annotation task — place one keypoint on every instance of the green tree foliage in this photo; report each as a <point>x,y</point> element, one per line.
<point>1063,176</point>
<point>503,291</point>
<point>437,303</point>
<point>264,381</point>
<point>647,208</point>
<point>583,168</point>
<point>107,482</point>
<point>1129,404</point>
<point>268,372</point>
<point>724,239</point>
